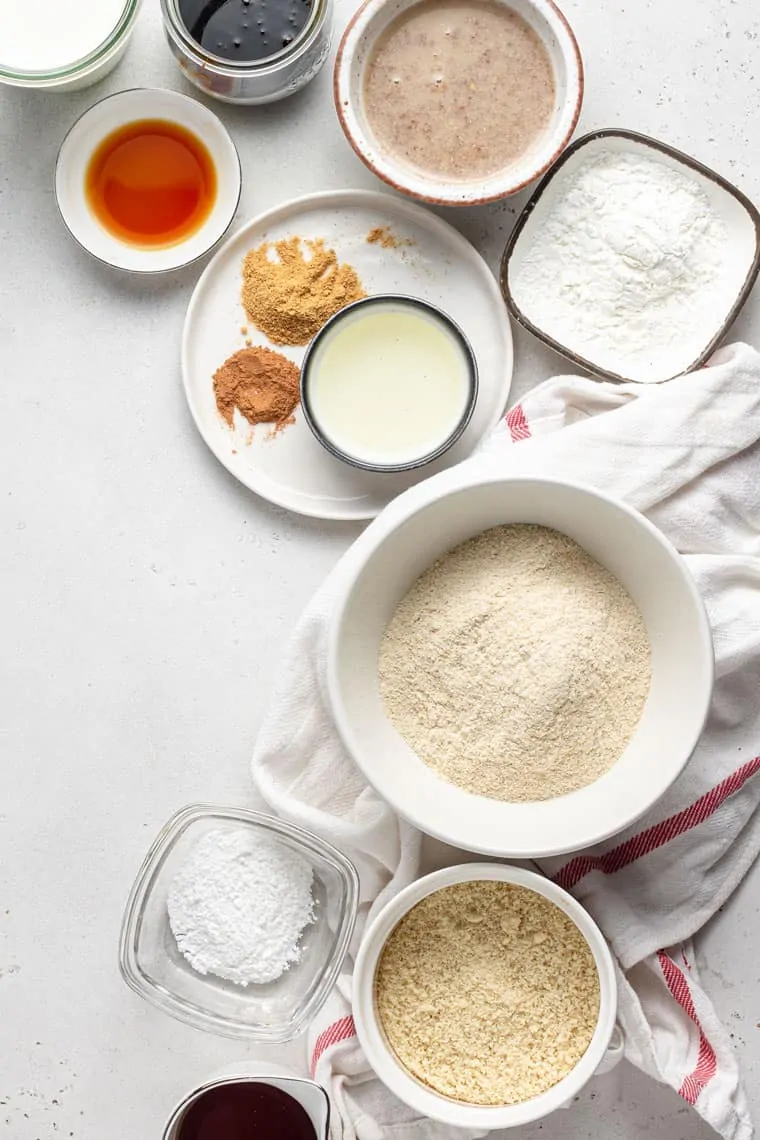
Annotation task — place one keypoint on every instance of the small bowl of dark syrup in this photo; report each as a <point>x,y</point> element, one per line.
<point>248,51</point>
<point>260,1107</point>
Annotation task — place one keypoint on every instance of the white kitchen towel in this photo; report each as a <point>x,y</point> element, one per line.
<point>687,454</point>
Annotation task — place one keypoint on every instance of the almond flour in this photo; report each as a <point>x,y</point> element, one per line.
<point>517,667</point>
<point>487,993</point>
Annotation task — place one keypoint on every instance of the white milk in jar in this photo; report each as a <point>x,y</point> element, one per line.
<point>62,44</point>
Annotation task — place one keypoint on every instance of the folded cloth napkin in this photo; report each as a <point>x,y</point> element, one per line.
<point>687,454</point>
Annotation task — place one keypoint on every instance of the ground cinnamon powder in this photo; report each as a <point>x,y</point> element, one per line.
<point>290,295</point>
<point>262,384</point>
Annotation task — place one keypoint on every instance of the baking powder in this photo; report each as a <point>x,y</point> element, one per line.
<point>629,269</point>
<point>238,906</point>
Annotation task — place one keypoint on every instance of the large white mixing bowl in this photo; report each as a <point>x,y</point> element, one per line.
<point>660,584</point>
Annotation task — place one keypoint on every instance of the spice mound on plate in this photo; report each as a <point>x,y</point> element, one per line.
<point>239,905</point>
<point>292,287</point>
<point>517,667</point>
<point>262,384</point>
<point>386,239</point>
<point>487,993</point>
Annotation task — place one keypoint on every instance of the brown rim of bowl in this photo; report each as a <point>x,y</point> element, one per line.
<point>687,160</point>
<point>430,199</point>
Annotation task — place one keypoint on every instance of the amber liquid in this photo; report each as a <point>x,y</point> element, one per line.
<point>151,183</point>
<point>246,1111</point>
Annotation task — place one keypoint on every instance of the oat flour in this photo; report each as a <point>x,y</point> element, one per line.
<point>517,666</point>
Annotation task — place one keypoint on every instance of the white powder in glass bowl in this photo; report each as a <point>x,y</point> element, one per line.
<point>238,906</point>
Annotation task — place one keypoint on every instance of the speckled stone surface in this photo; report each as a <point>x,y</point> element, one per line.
<point>146,595</point>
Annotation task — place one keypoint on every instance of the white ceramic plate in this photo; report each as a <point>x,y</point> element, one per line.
<point>440,266</point>
<point>109,115</point>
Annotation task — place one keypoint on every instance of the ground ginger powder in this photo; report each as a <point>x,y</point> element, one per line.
<point>487,993</point>
<point>292,287</point>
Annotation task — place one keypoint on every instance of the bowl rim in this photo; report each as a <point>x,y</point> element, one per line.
<point>144,882</point>
<point>655,144</point>
<point>151,270</point>
<point>402,299</point>
<point>383,529</point>
<point>344,60</point>
<point>407,1087</point>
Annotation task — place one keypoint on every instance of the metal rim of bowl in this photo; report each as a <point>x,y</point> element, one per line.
<point>147,271</point>
<point>664,148</point>
<point>448,443</point>
<point>437,200</point>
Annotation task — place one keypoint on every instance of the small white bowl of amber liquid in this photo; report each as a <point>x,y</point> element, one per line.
<point>148,180</point>
<point>485,997</point>
<point>458,102</point>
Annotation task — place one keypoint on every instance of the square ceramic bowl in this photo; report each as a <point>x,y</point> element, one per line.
<point>355,51</point>
<point>153,966</point>
<point>741,222</point>
<point>402,544</point>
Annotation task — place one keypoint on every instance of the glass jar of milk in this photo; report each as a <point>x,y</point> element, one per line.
<point>63,45</point>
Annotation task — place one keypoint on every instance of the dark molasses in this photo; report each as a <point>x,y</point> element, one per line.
<point>245,30</point>
<point>246,1111</point>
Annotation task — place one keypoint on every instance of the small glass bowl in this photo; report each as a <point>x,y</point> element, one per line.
<point>153,966</point>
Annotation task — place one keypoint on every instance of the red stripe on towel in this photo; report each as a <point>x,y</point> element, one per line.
<point>653,837</point>
<point>338,1031</point>
<point>707,1063</point>
<point>517,424</point>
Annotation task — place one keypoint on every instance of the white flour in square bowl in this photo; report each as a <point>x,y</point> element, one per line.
<point>630,268</point>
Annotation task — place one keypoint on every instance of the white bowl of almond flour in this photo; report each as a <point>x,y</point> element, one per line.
<point>458,102</point>
<point>521,667</point>
<point>485,997</point>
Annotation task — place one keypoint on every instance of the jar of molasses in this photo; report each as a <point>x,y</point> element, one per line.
<point>249,51</point>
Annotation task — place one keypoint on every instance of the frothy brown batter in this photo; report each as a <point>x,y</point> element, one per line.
<point>459,89</point>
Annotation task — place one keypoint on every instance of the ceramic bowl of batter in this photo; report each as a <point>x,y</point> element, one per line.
<point>402,544</point>
<point>604,1050</point>
<point>354,54</point>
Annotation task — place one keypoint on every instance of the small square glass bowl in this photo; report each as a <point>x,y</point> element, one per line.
<point>742,246</point>
<point>153,966</point>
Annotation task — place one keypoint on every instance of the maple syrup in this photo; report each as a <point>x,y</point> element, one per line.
<point>246,1111</point>
<point>151,183</point>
